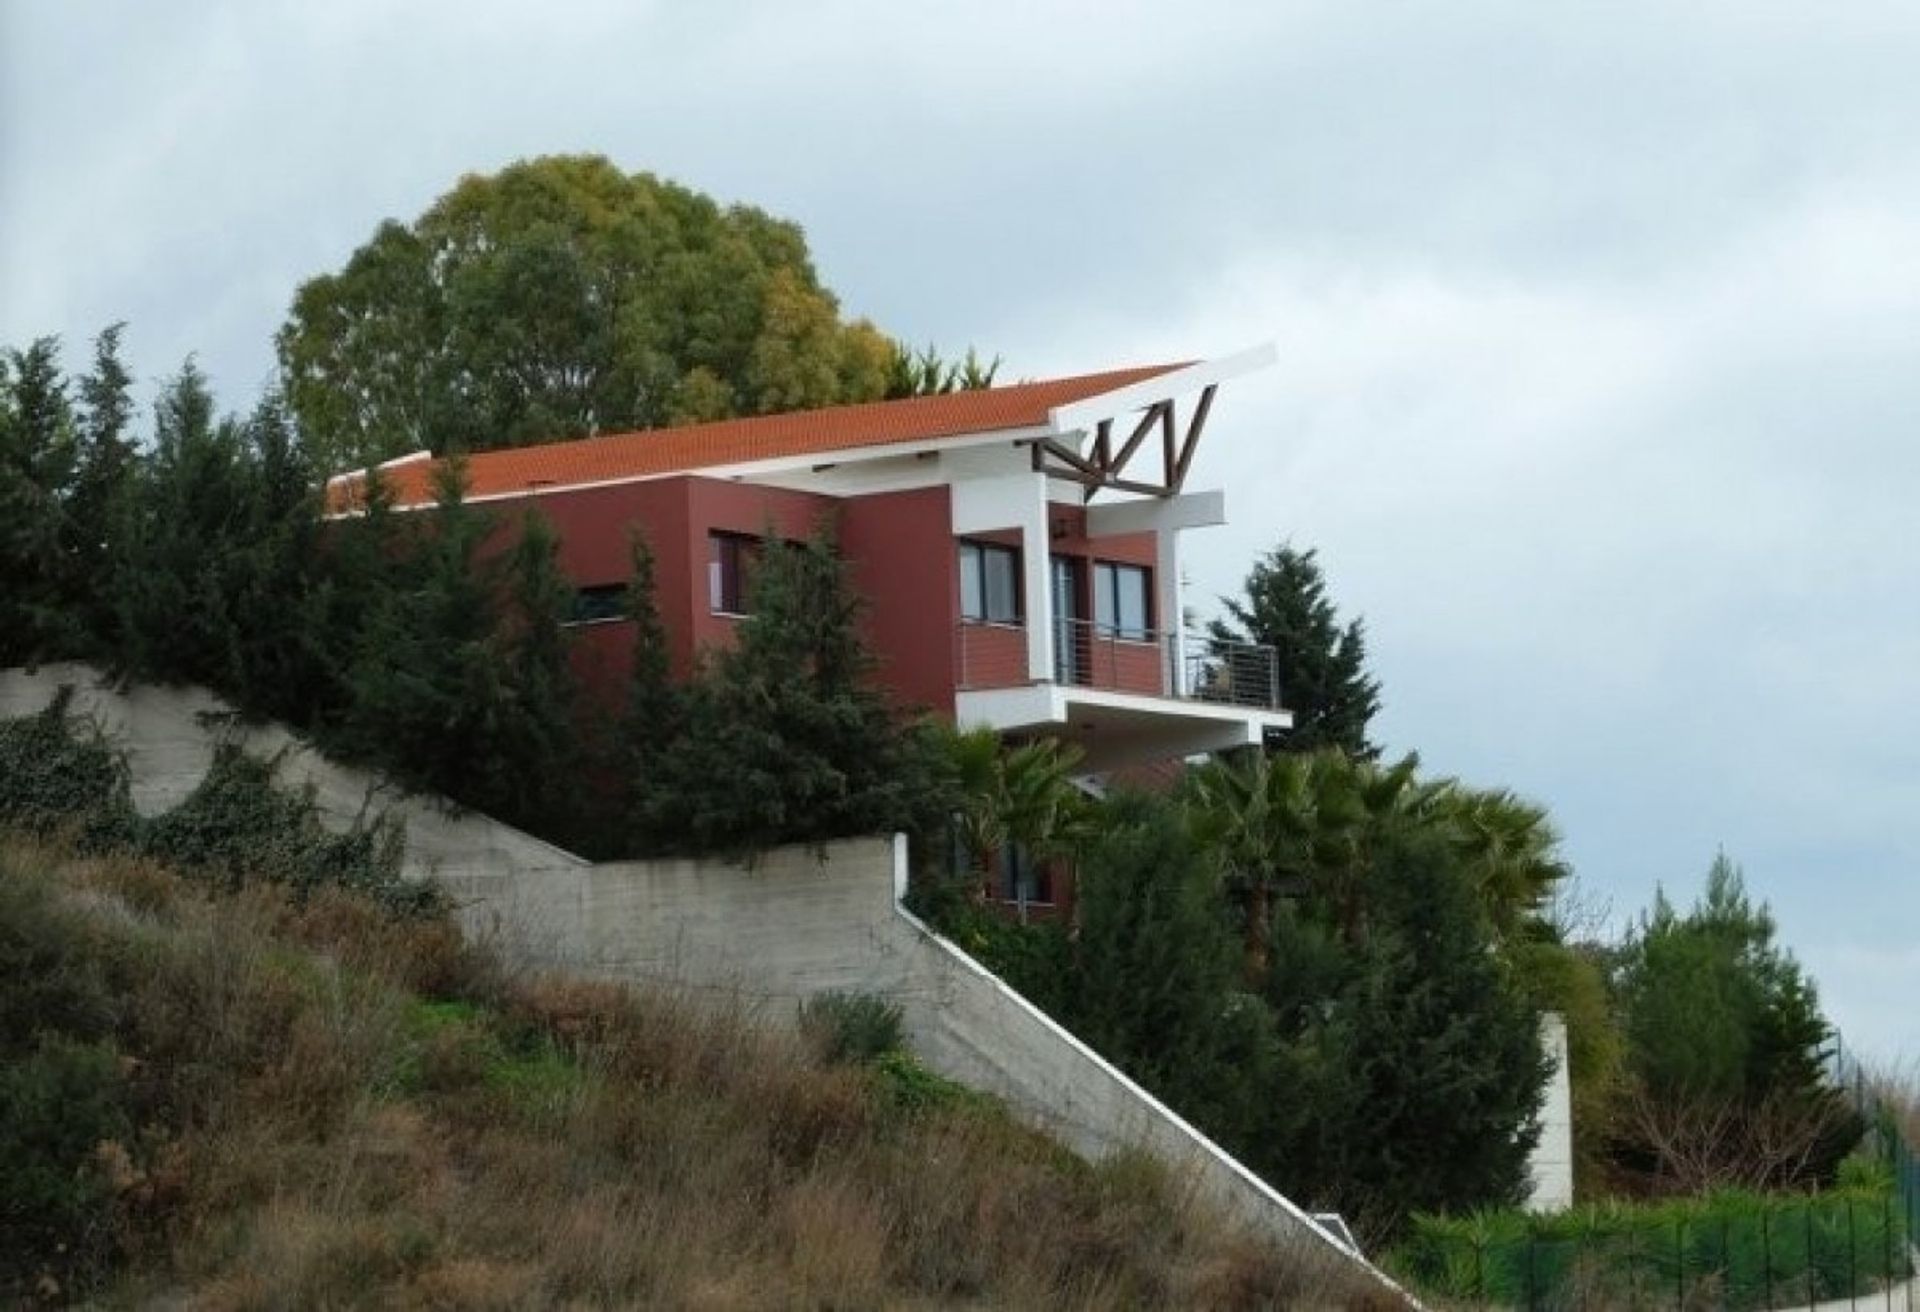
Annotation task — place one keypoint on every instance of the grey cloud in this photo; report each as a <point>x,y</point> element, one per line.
<point>1597,322</point>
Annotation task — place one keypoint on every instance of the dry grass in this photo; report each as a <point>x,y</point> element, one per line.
<point>343,1109</point>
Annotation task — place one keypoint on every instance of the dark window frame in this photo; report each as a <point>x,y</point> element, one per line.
<point>1013,866</point>
<point>973,554</point>
<point>730,560</point>
<point>599,603</point>
<point>1108,613</point>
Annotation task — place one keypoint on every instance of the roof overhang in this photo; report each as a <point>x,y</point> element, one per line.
<point>1080,416</point>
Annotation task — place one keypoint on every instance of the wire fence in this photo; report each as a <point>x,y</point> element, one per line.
<point>1852,1247</point>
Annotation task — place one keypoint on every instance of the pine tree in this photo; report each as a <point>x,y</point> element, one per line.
<point>1323,666</point>
<point>1718,1017</point>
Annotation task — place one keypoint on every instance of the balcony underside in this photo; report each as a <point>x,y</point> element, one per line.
<point>1117,729</point>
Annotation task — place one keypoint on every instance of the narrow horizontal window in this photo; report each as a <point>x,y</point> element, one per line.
<point>602,601</point>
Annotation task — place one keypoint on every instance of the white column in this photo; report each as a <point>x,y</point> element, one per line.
<point>1551,1164</point>
<point>1036,555</point>
<point>1173,617</point>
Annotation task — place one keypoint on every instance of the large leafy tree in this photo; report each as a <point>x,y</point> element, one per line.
<point>559,297</point>
<point>1324,679</point>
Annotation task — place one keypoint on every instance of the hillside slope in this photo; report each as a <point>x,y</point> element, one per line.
<point>225,1094</point>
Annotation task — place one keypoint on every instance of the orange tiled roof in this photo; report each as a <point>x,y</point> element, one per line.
<point>660,451</point>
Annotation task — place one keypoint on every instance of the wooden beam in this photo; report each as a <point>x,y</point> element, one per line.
<point>1073,458</point>
<point>1145,489</point>
<point>1167,455</point>
<point>1178,479</point>
<point>1140,431</point>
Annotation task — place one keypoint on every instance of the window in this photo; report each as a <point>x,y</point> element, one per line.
<point>989,583</point>
<point>1022,879</point>
<point>730,558</point>
<point>1120,600</point>
<point>603,601</point>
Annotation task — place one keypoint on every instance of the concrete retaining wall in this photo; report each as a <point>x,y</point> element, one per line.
<point>796,923</point>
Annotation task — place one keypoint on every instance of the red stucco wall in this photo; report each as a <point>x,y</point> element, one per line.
<point>899,548</point>
<point>900,556</point>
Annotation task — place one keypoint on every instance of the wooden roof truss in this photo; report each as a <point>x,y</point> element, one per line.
<point>1102,467</point>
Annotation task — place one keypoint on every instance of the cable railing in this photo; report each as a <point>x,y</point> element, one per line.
<point>1087,654</point>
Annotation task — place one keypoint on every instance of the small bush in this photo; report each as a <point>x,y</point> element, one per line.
<point>56,776</point>
<point>238,826</point>
<point>62,1108</point>
<point>851,1027</point>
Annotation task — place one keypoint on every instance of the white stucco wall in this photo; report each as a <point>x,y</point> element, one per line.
<point>795,923</point>
<point>1552,1162</point>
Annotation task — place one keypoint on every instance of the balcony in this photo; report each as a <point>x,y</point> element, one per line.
<point>1150,663</point>
<point>1121,698</point>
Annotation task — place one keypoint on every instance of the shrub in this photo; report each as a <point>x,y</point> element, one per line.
<point>1750,1250</point>
<point>56,775</point>
<point>60,776</point>
<point>62,1113</point>
<point>237,826</point>
<point>851,1027</point>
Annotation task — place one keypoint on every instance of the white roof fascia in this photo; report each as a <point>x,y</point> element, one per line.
<point>850,455</point>
<point>1078,416</point>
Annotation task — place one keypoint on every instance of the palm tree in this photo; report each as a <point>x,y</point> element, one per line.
<point>1284,825</point>
<point>1511,852</point>
<point>1022,795</point>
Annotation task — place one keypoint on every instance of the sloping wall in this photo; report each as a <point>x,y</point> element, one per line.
<point>796,923</point>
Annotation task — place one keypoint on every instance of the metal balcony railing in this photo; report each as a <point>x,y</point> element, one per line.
<point>1189,666</point>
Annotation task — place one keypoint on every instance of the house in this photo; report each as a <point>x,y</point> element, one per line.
<point>1019,547</point>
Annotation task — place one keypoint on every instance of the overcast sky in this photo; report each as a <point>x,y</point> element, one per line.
<point>1597,324</point>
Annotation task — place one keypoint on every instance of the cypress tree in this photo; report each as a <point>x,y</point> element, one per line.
<point>539,739</point>
<point>1154,984</point>
<point>177,528</point>
<point>787,739</point>
<point>656,715</point>
<point>36,470</point>
<point>425,686</point>
<point>1428,1069</point>
<point>101,481</point>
